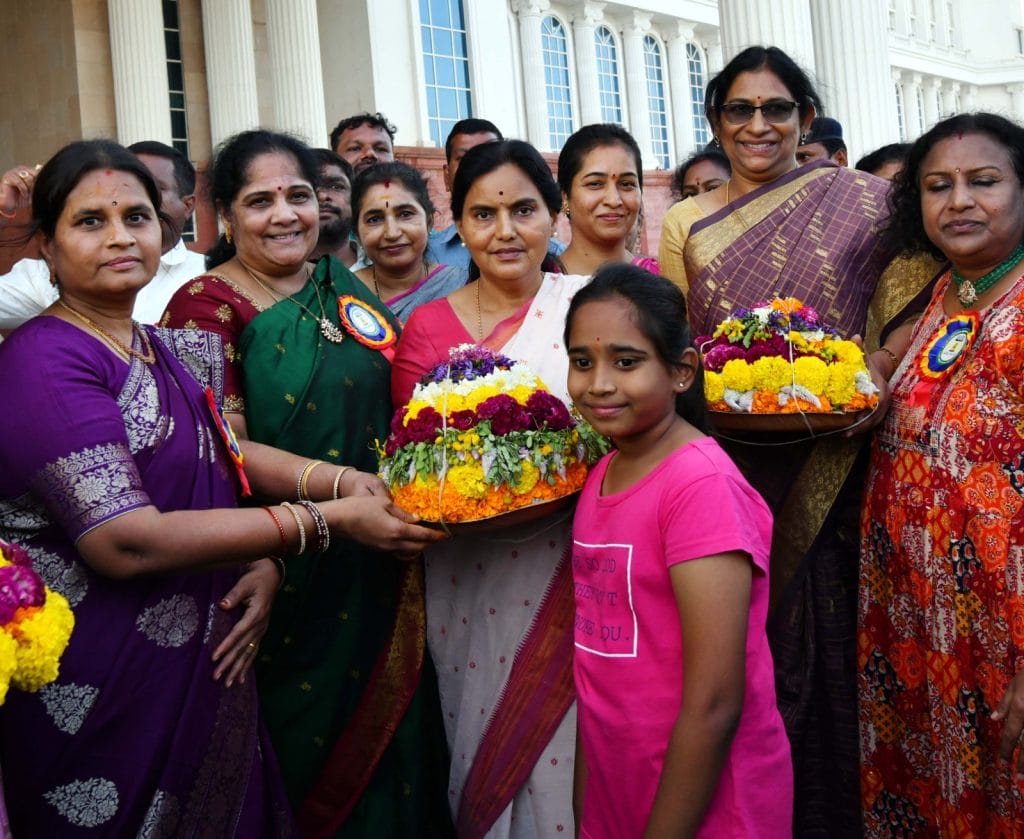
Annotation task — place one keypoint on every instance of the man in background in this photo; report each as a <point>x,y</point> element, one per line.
<point>823,142</point>
<point>364,140</point>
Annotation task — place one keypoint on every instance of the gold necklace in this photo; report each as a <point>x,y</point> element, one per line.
<point>331,332</point>
<point>479,315</point>
<point>376,286</point>
<point>148,356</point>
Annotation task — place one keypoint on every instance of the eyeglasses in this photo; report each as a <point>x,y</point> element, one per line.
<point>739,113</point>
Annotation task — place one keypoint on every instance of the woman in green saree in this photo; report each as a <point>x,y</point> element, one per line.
<point>348,693</point>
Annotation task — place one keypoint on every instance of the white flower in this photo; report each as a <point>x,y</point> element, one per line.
<point>793,391</point>
<point>741,401</point>
<point>862,381</point>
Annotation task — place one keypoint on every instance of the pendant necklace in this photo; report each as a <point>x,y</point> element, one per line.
<point>331,332</point>
<point>147,356</point>
<point>967,291</point>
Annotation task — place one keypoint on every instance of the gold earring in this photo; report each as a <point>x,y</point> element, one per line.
<point>227,234</point>
<point>565,209</point>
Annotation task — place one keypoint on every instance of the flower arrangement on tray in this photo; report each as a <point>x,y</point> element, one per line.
<point>35,624</point>
<point>779,357</point>
<point>483,436</point>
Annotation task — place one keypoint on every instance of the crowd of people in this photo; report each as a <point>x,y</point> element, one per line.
<point>824,635</point>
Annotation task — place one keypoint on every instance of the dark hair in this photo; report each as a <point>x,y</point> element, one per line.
<point>752,59</point>
<point>376,120</point>
<point>469,126</point>
<point>229,172</point>
<point>184,171</point>
<point>892,153</point>
<point>326,157</point>
<point>659,312</point>
<point>905,228</point>
<point>485,158</point>
<point>591,137</point>
<point>62,173</point>
<point>392,171</point>
<point>711,154</point>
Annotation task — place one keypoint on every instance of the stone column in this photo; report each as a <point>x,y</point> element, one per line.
<point>854,72</point>
<point>930,91</point>
<point>636,82</point>
<point>294,46</point>
<point>139,59</point>
<point>949,92</point>
<point>534,92</point>
<point>1016,92</point>
<point>586,16</point>
<point>782,23</point>
<point>913,116</point>
<point>679,84</point>
<point>230,67</point>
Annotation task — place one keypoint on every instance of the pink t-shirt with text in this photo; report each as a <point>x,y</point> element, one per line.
<point>629,656</point>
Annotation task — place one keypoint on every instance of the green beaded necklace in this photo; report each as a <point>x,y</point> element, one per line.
<point>967,291</point>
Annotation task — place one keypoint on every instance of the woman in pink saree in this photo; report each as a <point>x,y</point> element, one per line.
<point>500,607</point>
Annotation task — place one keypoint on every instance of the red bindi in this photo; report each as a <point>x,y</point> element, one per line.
<point>387,184</point>
<point>110,171</point>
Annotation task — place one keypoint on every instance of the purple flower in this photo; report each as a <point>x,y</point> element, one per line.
<point>19,586</point>
<point>549,410</point>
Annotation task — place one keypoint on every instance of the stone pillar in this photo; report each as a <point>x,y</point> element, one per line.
<point>852,56</point>
<point>716,58</point>
<point>139,60</point>
<point>911,106</point>
<point>782,23</point>
<point>230,67</point>
<point>586,16</point>
<point>930,91</point>
<point>1016,92</point>
<point>294,46</point>
<point>949,92</point>
<point>534,92</point>
<point>679,84</point>
<point>636,82</point>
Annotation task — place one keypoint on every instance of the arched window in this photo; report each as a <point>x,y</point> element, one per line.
<point>901,120</point>
<point>921,116</point>
<point>608,75</point>
<point>445,65</point>
<point>695,64</point>
<point>656,101</point>
<point>557,84</point>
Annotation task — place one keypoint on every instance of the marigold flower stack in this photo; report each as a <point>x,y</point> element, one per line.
<point>780,357</point>
<point>482,436</point>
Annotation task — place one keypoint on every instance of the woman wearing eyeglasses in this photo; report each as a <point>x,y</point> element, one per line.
<point>775,229</point>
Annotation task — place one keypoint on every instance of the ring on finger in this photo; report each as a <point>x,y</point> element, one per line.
<point>23,173</point>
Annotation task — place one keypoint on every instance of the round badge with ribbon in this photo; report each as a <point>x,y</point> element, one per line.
<point>230,440</point>
<point>368,326</point>
<point>947,349</point>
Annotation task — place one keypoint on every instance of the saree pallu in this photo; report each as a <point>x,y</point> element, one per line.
<point>500,610</point>
<point>348,693</point>
<point>134,737</point>
<point>811,234</point>
<point>440,282</point>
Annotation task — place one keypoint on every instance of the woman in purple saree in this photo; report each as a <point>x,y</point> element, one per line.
<point>118,483</point>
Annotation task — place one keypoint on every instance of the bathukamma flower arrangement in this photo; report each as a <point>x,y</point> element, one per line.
<point>780,357</point>
<point>35,624</point>
<point>482,436</point>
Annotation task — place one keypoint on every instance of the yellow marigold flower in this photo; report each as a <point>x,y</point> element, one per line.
<point>412,409</point>
<point>842,385</point>
<point>545,449</point>
<point>812,373</point>
<point>736,375</point>
<point>480,394</point>
<point>531,474</point>
<point>42,637</point>
<point>468,479</point>
<point>787,304</point>
<point>847,351</point>
<point>771,373</point>
<point>714,387</point>
<point>521,393</point>
<point>8,662</point>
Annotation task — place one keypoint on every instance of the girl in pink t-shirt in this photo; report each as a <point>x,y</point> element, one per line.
<point>670,565</point>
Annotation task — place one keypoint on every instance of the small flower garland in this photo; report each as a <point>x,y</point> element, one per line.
<point>780,357</point>
<point>35,624</point>
<point>481,436</point>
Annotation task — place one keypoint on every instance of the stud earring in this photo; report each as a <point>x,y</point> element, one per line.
<point>803,139</point>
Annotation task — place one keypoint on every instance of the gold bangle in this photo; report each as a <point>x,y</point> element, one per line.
<point>335,492</point>
<point>892,355</point>
<point>303,493</point>
<point>298,522</point>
